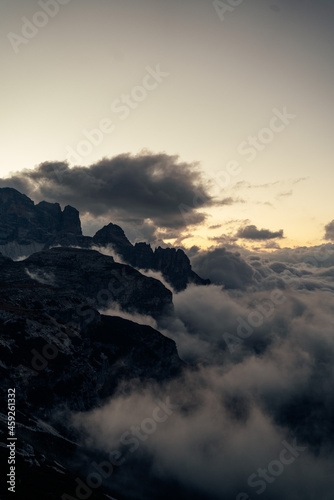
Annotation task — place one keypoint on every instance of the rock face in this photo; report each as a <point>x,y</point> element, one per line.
<point>61,355</point>
<point>172,263</point>
<point>115,236</point>
<point>26,227</point>
<point>33,316</point>
<point>94,276</point>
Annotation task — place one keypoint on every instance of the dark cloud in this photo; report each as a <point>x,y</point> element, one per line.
<point>194,250</point>
<point>223,267</point>
<point>329,234</point>
<point>253,233</point>
<point>157,187</point>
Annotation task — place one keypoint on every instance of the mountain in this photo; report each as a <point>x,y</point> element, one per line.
<point>171,262</point>
<point>100,279</point>
<point>63,349</point>
<point>61,355</point>
<point>26,228</point>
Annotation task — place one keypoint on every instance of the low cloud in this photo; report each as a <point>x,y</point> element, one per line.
<point>223,267</point>
<point>141,319</point>
<point>233,416</point>
<point>41,277</point>
<point>237,405</point>
<point>253,233</point>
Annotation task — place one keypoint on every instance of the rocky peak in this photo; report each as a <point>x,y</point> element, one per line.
<point>171,262</point>
<point>71,221</point>
<point>142,255</point>
<point>12,202</point>
<point>26,227</point>
<point>112,235</point>
<point>8,194</point>
<point>49,215</point>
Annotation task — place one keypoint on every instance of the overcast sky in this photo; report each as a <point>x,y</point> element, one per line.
<point>203,83</point>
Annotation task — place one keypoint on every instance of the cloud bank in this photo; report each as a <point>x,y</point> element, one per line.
<point>253,412</point>
<point>128,188</point>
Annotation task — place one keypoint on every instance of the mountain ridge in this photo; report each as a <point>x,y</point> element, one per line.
<point>27,228</point>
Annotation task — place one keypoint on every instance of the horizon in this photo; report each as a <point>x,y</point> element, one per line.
<point>242,93</point>
<point>88,230</point>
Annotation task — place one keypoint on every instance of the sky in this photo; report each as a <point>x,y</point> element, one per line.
<point>238,99</point>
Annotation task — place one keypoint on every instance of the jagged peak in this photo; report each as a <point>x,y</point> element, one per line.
<point>7,193</point>
<point>111,233</point>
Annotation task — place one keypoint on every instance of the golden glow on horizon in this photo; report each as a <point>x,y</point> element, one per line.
<point>63,83</point>
<point>251,245</point>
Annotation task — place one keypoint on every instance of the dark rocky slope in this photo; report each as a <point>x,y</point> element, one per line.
<point>100,279</point>
<point>25,226</point>
<point>62,355</point>
<point>172,263</point>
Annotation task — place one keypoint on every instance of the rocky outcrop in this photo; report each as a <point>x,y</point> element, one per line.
<point>114,235</point>
<point>94,276</point>
<point>88,355</point>
<point>61,355</point>
<point>25,226</point>
<point>70,221</point>
<point>172,263</point>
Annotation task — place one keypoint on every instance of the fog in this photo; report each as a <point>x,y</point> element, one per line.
<point>253,411</point>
